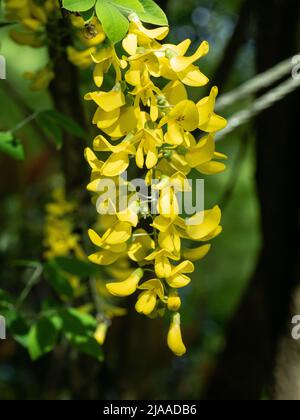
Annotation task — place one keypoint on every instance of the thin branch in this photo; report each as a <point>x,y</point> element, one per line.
<point>261,104</point>
<point>259,82</point>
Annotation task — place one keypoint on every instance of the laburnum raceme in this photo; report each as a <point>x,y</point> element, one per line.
<point>146,122</point>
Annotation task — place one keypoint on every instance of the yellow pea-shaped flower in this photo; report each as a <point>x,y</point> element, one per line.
<point>175,342</point>
<point>126,287</point>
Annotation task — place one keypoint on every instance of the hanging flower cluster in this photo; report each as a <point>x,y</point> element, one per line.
<point>59,237</point>
<point>147,123</point>
<point>36,18</point>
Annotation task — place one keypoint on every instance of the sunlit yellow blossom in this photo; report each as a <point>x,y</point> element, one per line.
<point>208,120</point>
<point>147,300</point>
<point>174,301</point>
<point>176,66</point>
<point>100,333</point>
<point>126,287</point>
<point>175,342</point>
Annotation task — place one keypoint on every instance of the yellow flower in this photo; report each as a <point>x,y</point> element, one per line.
<point>104,58</point>
<point>126,287</point>
<point>174,301</point>
<point>175,342</point>
<point>204,225</point>
<point>162,265</point>
<point>184,117</point>
<point>208,120</point>
<point>177,278</point>
<point>175,66</point>
<point>149,142</point>
<point>100,333</point>
<point>79,58</point>
<point>146,302</point>
<point>141,245</point>
<point>138,35</point>
<point>196,254</point>
<point>59,238</point>
<point>41,79</point>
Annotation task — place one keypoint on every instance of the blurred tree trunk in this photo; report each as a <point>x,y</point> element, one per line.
<point>237,40</point>
<point>67,99</point>
<point>246,367</point>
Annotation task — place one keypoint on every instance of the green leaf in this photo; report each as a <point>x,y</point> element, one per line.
<point>11,146</point>
<point>6,300</point>
<point>18,327</point>
<point>88,15</point>
<point>128,6</point>
<point>78,5</point>
<point>51,128</point>
<point>57,280</point>
<point>3,24</point>
<point>67,123</point>
<point>53,122</point>
<point>115,25</point>
<point>75,267</point>
<point>76,322</point>
<point>42,337</point>
<point>153,13</point>
<point>79,329</point>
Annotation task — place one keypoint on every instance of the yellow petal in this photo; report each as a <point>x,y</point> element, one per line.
<point>106,119</point>
<point>184,267</point>
<point>116,164</point>
<point>175,92</point>
<point>126,123</point>
<point>130,44</point>
<point>157,33</point>
<point>211,168</point>
<point>146,303</point>
<point>175,134</point>
<point>202,224</point>
<point>126,287</point>
<point>175,342</point>
<point>128,216</point>
<point>155,285</point>
<point>163,266</point>
<point>181,63</point>
<point>203,152</point>
<point>174,302</point>
<point>108,101</point>
<point>178,280</point>
<point>104,257</point>
<point>196,254</point>
<point>208,120</point>
<point>118,234</point>
<point>141,246</point>
<point>193,77</point>
<point>170,241</point>
<point>95,238</point>
<point>98,74</point>
<point>186,114</point>
<point>100,333</point>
